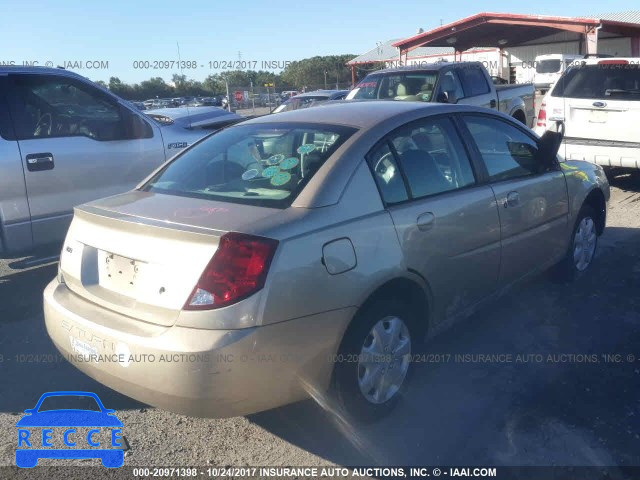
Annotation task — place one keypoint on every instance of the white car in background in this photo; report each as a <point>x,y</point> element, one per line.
<point>550,67</point>
<point>598,100</point>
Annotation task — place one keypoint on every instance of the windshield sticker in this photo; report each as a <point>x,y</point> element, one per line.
<point>250,174</point>
<point>289,163</point>
<point>306,148</point>
<point>280,178</point>
<point>270,171</point>
<point>275,159</point>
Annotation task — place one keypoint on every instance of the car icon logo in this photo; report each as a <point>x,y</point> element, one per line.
<point>80,431</point>
<point>599,104</point>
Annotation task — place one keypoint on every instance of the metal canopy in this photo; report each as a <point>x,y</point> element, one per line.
<point>503,30</point>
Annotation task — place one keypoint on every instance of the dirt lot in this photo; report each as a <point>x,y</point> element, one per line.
<point>563,403</point>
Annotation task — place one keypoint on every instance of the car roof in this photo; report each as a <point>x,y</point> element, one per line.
<point>38,70</point>
<point>361,113</point>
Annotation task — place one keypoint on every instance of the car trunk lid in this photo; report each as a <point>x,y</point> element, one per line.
<point>141,254</point>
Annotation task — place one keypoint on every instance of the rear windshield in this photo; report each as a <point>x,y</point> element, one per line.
<point>548,66</point>
<point>259,164</point>
<point>606,82</point>
<point>396,86</point>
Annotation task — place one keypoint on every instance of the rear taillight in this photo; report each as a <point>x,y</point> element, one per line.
<point>542,115</point>
<point>238,269</point>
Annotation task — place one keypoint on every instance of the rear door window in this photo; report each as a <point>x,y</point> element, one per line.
<point>429,154</point>
<point>473,80</point>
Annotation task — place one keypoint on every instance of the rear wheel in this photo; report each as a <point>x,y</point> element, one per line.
<point>582,247</point>
<point>374,360</point>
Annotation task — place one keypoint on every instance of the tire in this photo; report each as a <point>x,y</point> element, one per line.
<point>381,337</point>
<point>582,246</point>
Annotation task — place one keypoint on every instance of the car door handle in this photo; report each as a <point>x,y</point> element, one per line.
<point>492,104</point>
<point>512,200</point>
<point>37,162</point>
<point>426,221</point>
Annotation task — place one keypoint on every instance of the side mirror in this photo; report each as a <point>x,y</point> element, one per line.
<point>549,145</point>
<point>443,97</point>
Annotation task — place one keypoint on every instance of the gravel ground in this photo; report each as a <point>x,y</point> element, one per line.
<point>556,411</point>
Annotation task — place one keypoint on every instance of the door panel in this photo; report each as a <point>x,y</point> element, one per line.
<point>76,146</point>
<point>83,170</point>
<point>447,224</point>
<point>534,227</point>
<point>453,240</point>
<point>532,198</point>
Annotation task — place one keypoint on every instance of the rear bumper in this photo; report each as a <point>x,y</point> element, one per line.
<point>604,155</point>
<point>211,373</point>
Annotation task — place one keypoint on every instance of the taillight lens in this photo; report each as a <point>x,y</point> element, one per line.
<point>613,62</point>
<point>542,115</point>
<point>238,269</point>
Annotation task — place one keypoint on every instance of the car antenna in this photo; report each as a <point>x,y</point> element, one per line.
<point>182,75</point>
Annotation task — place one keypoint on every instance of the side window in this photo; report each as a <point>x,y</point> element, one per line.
<point>51,106</point>
<point>431,156</point>
<point>450,89</point>
<point>387,174</point>
<point>506,151</point>
<point>6,130</point>
<point>474,81</point>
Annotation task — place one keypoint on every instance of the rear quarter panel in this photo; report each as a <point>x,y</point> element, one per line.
<point>512,98</point>
<point>299,283</point>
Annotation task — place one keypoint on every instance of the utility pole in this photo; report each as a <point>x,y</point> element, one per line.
<point>226,82</point>
<point>253,99</point>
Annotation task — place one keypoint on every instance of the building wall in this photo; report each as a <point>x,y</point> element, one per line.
<point>523,58</point>
<point>490,58</point>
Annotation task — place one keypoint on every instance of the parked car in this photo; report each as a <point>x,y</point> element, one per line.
<point>598,101</point>
<point>463,82</point>
<point>64,141</point>
<point>207,102</point>
<point>204,117</point>
<point>308,253</point>
<point>288,94</point>
<point>550,67</point>
<point>305,100</point>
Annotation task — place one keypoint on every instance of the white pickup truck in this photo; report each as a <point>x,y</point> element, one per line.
<point>466,83</point>
<point>65,141</point>
<point>598,100</point>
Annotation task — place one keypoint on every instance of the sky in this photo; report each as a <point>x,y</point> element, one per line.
<point>118,38</point>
